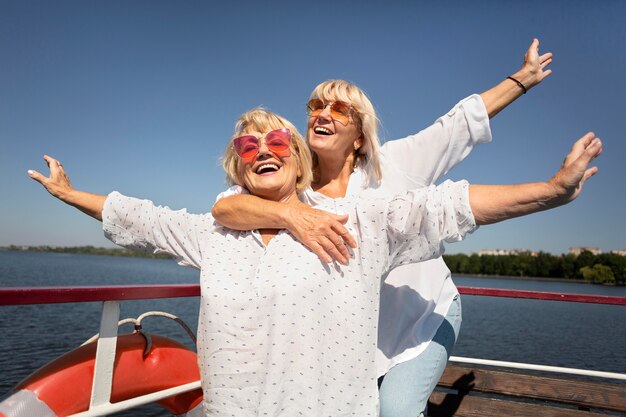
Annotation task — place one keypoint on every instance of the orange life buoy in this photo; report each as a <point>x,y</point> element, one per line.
<point>63,386</point>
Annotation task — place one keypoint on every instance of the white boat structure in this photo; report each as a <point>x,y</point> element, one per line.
<point>470,387</point>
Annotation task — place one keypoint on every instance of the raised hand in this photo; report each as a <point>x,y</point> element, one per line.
<point>569,180</point>
<point>535,65</point>
<point>533,72</point>
<point>58,183</point>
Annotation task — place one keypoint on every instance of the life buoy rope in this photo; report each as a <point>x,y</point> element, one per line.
<point>143,364</point>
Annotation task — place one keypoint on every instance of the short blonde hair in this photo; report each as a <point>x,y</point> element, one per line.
<point>364,117</point>
<point>262,120</point>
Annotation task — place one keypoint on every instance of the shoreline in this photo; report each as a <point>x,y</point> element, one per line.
<point>115,251</point>
<point>524,278</point>
<point>510,277</point>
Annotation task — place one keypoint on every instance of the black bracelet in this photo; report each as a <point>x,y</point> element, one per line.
<point>518,83</point>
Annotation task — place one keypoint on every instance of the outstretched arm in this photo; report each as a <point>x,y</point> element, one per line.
<point>532,73</point>
<point>320,231</point>
<point>494,203</point>
<point>58,184</point>
<point>426,156</point>
<point>418,221</point>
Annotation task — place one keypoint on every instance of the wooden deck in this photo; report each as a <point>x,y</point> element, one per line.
<point>468,391</point>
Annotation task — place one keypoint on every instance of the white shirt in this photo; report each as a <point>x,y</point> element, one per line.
<point>415,299</point>
<point>280,333</point>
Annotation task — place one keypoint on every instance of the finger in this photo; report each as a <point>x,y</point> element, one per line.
<point>531,56</point>
<point>578,148</point>
<point>342,249</point>
<point>545,63</point>
<point>346,236</point>
<point>342,218</point>
<point>53,164</point>
<point>545,57</point>
<point>594,149</point>
<point>590,152</point>
<point>337,241</point>
<point>585,140</point>
<point>49,160</point>
<point>331,249</point>
<point>590,173</point>
<point>320,252</point>
<point>36,176</point>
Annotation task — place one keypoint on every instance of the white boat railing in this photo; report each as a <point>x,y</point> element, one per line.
<point>100,402</point>
<point>543,368</point>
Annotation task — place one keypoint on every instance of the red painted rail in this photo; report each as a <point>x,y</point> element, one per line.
<point>52,295</point>
<point>540,295</point>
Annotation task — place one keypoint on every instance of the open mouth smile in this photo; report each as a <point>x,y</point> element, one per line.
<point>266,169</point>
<point>319,130</point>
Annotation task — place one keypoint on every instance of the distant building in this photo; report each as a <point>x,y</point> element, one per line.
<point>579,250</point>
<point>501,252</point>
<point>621,252</point>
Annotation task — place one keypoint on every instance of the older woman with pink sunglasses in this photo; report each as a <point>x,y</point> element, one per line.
<point>420,310</point>
<point>281,333</point>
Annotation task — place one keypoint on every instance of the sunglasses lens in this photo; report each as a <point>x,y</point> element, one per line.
<point>340,111</point>
<point>246,146</point>
<point>278,141</point>
<point>314,107</point>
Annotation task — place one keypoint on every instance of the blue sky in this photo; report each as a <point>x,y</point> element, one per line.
<point>141,96</point>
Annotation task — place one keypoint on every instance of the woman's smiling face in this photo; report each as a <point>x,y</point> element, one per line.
<point>329,137</point>
<point>271,175</point>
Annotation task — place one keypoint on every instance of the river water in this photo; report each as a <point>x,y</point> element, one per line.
<point>544,332</point>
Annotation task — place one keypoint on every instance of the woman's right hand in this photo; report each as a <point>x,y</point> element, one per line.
<point>58,183</point>
<point>322,232</point>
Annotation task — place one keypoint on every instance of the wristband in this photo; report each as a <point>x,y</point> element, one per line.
<point>518,83</point>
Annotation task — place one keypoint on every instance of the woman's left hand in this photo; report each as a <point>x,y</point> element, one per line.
<point>569,180</point>
<point>534,68</point>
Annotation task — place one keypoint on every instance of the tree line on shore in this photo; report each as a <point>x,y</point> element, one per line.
<point>604,268</point>
<point>89,250</point>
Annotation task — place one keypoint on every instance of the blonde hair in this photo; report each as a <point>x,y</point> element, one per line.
<point>262,120</point>
<point>364,117</point>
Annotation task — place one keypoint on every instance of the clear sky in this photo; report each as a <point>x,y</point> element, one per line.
<point>141,97</point>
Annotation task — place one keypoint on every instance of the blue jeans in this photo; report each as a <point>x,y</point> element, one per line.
<point>405,389</point>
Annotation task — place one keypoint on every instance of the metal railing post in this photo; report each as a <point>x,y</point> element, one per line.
<point>105,354</point>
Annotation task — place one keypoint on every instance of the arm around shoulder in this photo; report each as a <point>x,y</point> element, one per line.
<point>249,212</point>
<point>320,231</point>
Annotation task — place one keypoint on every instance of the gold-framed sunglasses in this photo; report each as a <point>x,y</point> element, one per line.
<point>339,110</point>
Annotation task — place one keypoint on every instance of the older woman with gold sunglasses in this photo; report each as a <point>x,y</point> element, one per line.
<point>281,333</point>
<point>420,311</point>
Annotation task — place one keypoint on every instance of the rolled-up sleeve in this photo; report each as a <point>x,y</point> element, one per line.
<point>419,221</point>
<point>140,224</point>
<point>429,154</point>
